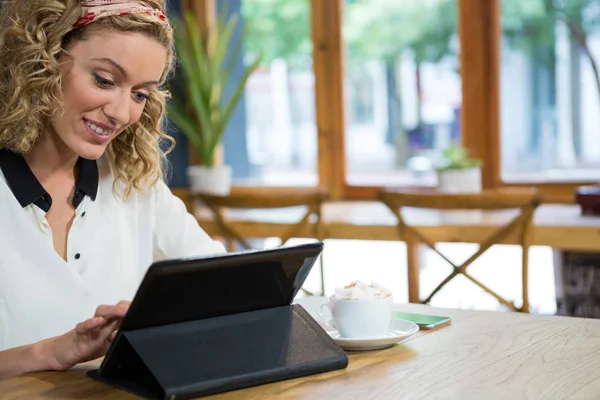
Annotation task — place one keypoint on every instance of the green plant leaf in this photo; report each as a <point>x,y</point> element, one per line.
<point>206,65</point>
<point>457,157</point>
<point>186,123</point>
<point>198,52</point>
<point>235,98</point>
<point>230,64</point>
<point>224,42</point>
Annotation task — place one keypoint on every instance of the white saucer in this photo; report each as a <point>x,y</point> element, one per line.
<point>399,330</point>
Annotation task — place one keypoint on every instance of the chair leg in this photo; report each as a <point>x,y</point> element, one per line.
<point>441,285</point>
<point>412,252</point>
<point>525,280</point>
<point>412,248</point>
<point>500,299</point>
<point>308,292</point>
<point>230,244</point>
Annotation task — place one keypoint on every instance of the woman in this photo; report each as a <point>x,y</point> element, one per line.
<point>83,207</point>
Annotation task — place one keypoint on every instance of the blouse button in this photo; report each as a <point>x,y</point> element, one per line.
<point>77,256</point>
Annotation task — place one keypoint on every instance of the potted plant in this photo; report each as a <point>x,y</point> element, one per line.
<point>206,95</point>
<point>459,173</point>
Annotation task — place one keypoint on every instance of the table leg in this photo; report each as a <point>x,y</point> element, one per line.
<point>413,256</point>
<point>322,267</point>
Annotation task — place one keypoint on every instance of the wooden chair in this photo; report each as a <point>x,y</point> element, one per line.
<point>311,199</point>
<point>525,201</point>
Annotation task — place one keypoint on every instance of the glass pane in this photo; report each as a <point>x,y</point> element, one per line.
<point>550,90</point>
<point>402,88</point>
<point>273,138</point>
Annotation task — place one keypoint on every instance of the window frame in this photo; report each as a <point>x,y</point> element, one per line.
<point>480,34</point>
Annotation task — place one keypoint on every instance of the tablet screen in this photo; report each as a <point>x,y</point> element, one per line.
<point>182,290</point>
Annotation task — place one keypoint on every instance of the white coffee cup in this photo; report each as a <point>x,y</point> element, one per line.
<point>364,318</point>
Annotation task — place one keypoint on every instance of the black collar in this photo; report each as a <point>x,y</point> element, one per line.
<point>28,190</point>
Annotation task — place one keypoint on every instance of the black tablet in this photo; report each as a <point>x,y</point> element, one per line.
<point>190,289</point>
<point>207,325</point>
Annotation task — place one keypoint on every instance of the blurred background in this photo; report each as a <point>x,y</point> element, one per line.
<point>402,91</point>
<point>356,95</point>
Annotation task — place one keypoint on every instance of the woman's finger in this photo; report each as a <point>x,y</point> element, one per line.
<point>89,324</point>
<point>103,309</point>
<point>126,303</point>
<point>106,331</point>
<point>109,312</point>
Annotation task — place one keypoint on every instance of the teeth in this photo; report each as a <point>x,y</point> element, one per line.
<point>97,129</point>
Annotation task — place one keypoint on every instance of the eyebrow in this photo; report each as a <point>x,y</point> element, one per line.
<point>122,70</point>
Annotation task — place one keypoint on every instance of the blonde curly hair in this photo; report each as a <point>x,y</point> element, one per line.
<point>33,35</point>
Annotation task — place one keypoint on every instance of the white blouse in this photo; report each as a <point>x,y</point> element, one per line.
<point>110,246</point>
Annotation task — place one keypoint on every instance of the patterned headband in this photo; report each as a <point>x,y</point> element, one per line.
<point>92,10</point>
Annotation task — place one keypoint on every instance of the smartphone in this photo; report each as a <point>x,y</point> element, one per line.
<point>422,320</point>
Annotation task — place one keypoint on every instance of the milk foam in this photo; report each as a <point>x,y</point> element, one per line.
<point>358,290</point>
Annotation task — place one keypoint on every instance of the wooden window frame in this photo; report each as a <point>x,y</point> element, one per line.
<point>480,33</point>
<point>328,59</point>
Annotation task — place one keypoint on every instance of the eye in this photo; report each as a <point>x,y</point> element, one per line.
<point>140,97</point>
<point>102,82</point>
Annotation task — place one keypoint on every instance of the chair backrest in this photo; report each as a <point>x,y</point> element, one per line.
<point>310,198</point>
<point>525,200</point>
<point>496,199</point>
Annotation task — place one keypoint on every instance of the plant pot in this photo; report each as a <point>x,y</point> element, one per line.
<point>467,180</point>
<point>210,180</point>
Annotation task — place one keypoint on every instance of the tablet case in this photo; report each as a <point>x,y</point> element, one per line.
<point>213,354</point>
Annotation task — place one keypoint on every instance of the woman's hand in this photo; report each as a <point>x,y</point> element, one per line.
<point>89,340</point>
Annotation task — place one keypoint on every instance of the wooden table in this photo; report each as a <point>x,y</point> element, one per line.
<point>558,226</point>
<point>487,355</point>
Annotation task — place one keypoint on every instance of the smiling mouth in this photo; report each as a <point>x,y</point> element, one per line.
<point>99,130</point>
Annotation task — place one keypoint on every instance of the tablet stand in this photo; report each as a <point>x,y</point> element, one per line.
<point>212,355</point>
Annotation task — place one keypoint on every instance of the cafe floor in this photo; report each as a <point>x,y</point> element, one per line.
<point>385,263</point>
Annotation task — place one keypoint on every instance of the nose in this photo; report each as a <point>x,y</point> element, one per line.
<point>117,109</point>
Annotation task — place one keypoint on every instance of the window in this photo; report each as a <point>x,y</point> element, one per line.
<point>386,75</point>
<point>272,139</point>
<point>402,89</point>
<point>550,90</point>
